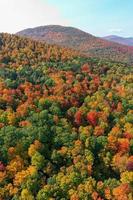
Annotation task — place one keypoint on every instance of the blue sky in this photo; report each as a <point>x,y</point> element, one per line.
<point>98,17</point>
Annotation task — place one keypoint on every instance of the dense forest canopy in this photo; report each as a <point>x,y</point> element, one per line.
<point>65,124</point>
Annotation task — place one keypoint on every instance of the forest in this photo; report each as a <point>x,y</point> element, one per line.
<point>66,120</point>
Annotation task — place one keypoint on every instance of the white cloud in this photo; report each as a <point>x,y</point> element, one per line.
<point>115,30</point>
<point>16,15</point>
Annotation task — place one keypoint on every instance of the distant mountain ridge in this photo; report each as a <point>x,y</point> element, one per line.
<point>79,40</point>
<point>121,40</point>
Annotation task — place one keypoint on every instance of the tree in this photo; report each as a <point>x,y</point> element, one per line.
<point>92,117</point>
<point>38,160</point>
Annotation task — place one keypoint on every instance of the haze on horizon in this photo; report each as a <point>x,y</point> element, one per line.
<point>98,17</point>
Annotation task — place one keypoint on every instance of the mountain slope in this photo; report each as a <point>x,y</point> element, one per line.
<point>121,40</point>
<point>86,43</point>
<point>30,52</point>
<point>65,124</point>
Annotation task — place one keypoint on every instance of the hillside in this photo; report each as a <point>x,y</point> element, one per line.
<point>82,41</point>
<point>29,52</point>
<point>121,40</point>
<point>65,124</point>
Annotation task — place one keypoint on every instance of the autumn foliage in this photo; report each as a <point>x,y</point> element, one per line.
<point>65,126</point>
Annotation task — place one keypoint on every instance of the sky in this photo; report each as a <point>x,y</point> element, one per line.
<point>98,17</point>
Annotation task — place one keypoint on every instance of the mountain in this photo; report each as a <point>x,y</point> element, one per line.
<point>84,42</point>
<point>121,40</point>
